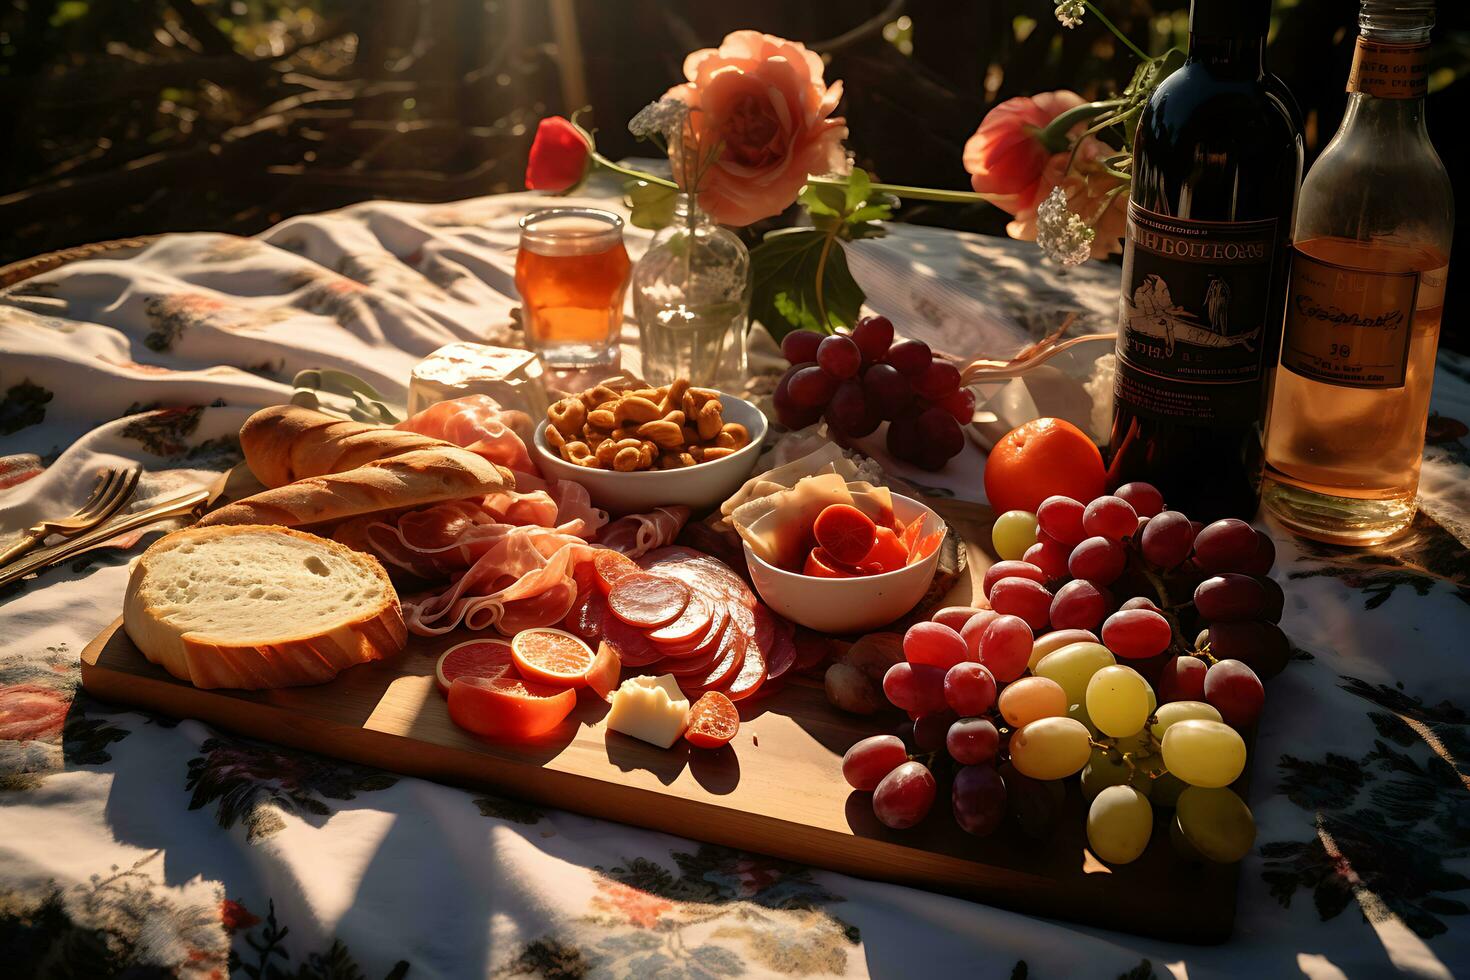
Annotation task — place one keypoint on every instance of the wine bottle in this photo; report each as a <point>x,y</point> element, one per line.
<point>1217,159</point>
<point>1369,267</point>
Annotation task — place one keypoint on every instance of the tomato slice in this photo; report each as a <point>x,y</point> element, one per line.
<point>888,554</point>
<point>819,564</point>
<point>647,601</point>
<point>508,707</point>
<point>844,532</point>
<point>713,721</point>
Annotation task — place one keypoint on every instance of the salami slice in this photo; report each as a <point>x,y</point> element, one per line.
<point>587,616</point>
<point>783,650</point>
<point>630,643</point>
<point>692,624</point>
<point>702,659</point>
<point>648,600</point>
<point>611,566</point>
<point>733,652</point>
<point>752,674</point>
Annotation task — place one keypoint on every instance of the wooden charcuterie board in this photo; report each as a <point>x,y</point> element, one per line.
<point>777,789</point>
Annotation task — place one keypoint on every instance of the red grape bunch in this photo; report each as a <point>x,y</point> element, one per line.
<point>858,381</point>
<point>1058,677</point>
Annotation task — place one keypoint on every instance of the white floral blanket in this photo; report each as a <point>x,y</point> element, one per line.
<point>135,844</point>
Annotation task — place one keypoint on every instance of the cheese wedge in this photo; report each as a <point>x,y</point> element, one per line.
<point>650,708</point>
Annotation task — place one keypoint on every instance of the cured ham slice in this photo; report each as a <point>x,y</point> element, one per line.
<point>479,424</point>
<point>525,579</point>
<point>637,534</point>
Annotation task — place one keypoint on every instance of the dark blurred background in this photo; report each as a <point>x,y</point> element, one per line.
<point>142,116</point>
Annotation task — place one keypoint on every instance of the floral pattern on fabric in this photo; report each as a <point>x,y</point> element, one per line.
<point>24,404</point>
<point>167,432</point>
<point>717,913</point>
<point>253,783</point>
<point>1386,822</point>
<point>44,725</point>
<point>121,924</point>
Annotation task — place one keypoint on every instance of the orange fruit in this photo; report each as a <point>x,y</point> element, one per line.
<point>1043,457</point>
<point>551,657</point>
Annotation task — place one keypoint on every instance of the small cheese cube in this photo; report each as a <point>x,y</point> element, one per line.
<point>650,708</point>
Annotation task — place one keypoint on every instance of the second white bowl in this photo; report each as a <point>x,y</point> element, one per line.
<point>850,605</point>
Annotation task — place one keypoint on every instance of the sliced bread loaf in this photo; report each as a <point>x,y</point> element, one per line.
<point>254,607</point>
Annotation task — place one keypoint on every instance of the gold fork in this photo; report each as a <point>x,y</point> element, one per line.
<point>113,489</point>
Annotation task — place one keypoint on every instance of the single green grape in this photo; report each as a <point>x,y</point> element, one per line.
<point>1013,532</point>
<point>1073,666</point>
<point>1050,748</point>
<point>1106,768</point>
<point>1217,823</point>
<point>1117,700</point>
<point>1204,753</point>
<point>1119,824</point>
<point>1168,714</point>
<point>1166,790</point>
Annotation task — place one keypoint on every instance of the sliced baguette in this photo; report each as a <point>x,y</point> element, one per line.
<point>259,607</point>
<point>412,479</point>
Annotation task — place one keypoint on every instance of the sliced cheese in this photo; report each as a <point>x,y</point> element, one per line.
<point>650,708</point>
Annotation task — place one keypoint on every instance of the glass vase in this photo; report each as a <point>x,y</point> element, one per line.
<point>691,296</point>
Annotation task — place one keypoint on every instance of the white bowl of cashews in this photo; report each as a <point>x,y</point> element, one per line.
<point>699,486</point>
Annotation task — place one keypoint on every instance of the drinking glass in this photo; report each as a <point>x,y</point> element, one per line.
<point>572,272</point>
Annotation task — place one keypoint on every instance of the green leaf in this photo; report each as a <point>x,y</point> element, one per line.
<point>652,204</point>
<point>789,293</point>
<point>825,199</point>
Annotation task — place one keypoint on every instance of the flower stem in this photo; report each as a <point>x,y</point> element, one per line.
<point>912,193</point>
<point>1116,33</point>
<point>630,172</point>
<point>1055,134</point>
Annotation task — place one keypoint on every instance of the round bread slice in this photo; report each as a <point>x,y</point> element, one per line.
<point>252,606</point>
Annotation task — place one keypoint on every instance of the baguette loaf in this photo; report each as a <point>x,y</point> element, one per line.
<point>259,607</point>
<point>412,479</point>
<point>286,443</point>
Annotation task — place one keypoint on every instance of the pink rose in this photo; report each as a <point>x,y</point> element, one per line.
<point>1005,159</point>
<point>764,100</point>
<point>1087,187</point>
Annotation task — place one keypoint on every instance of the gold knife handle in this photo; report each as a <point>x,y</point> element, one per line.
<point>29,538</point>
<point>188,504</point>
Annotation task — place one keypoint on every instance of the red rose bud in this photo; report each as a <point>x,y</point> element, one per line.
<point>560,155</point>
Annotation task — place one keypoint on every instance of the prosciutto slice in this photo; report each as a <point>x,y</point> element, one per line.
<point>637,534</point>
<point>479,424</point>
<point>526,578</point>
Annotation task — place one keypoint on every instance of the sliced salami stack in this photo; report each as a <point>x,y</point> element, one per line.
<point>677,611</point>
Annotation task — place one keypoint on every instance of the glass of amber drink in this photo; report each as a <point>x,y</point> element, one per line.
<point>572,272</point>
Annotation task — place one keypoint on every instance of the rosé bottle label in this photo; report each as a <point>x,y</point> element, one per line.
<point>1192,330</point>
<point>1389,71</point>
<point>1347,326</point>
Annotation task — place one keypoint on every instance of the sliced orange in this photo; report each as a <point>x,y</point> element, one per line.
<point>551,656</point>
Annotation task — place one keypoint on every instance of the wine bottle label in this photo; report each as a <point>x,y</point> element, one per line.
<point>1192,330</point>
<point>1351,327</point>
<point>1389,71</point>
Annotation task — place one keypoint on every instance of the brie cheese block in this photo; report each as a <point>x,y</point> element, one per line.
<point>511,377</point>
<point>650,708</point>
